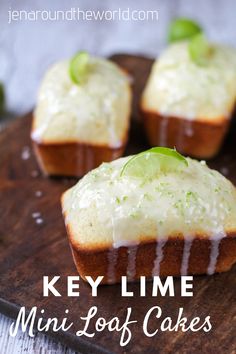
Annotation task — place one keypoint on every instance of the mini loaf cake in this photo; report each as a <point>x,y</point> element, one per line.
<point>188,105</point>
<point>78,125</point>
<point>145,215</point>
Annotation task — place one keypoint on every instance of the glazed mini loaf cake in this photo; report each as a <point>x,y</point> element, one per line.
<point>159,216</point>
<point>187,105</point>
<point>78,125</point>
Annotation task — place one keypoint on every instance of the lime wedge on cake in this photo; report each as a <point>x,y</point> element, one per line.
<point>78,68</point>
<point>150,163</point>
<point>199,49</point>
<point>182,29</point>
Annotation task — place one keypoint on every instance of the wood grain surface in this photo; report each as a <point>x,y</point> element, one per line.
<point>33,245</point>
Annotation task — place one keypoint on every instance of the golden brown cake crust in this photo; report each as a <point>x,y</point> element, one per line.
<point>112,263</point>
<point>195,138</point>
<point>72,158</point>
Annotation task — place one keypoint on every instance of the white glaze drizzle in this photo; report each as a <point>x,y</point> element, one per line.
<point>213,256</point>
<point>111,268</point>
<point>159,256</point>
<point>128,208</point>
<point>114,154</point>
<point>95,111</point>
<point>214,253</point>
<point>177,87</point>
<point>89,158</point>
<point>131,265</point>
<point>37,134</point>
<point>186,254</point>
<point>114,140</point>
<point>180,136</point>
<point>188,128</point>
<point>163,131</point>
<point>80,159</point>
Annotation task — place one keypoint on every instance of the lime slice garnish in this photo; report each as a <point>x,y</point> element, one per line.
<point>199,49</point>
<point>78,68</point>
<point>183,28</point>
<point>148,164</point>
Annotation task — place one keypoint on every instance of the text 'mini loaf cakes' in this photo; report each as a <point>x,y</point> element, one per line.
<point>82,115</point>
<point>190,95</point>
<point>156,213</point>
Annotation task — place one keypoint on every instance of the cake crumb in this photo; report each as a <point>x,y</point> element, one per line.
<point>34,173</point>
<point>224,171</point>
<point>39,221</point>
<point>36,214</point>
<point>25,153</point>
<point>38,194</point>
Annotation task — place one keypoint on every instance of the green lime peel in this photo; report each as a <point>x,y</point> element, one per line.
<point>149,163</point>
<point>79,67</point>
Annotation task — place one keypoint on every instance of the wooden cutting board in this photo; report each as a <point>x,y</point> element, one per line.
<point>30,249</point>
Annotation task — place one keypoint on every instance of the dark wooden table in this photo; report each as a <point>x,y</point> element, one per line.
<point>30,249</point>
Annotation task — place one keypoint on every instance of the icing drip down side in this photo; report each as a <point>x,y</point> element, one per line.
<point>121,211</point>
